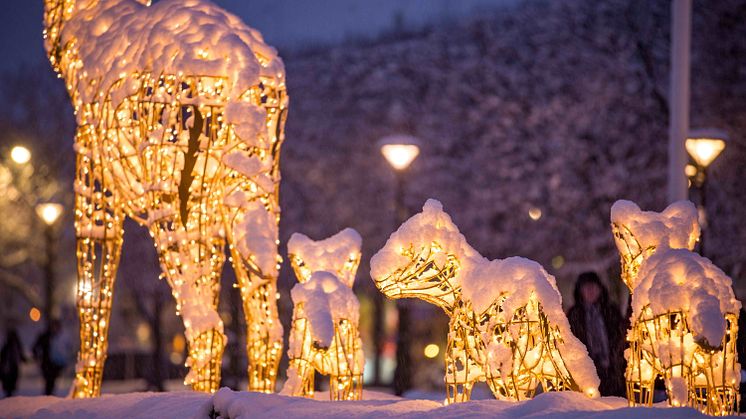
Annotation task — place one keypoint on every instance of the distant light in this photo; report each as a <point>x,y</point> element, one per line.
<point>178,344</point>
<point>432,350</point>
<point>34,314</point>
<point>705,145</point>
<point>49,212</point>
<point>400,156</point>
<point>142,332</point>
<point>20,154</point>
<point>534,213</point>
<point>690,170</point>
<point>558,261</point>
<point>176,358</point>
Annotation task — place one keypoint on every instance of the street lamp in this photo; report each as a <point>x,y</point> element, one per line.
<point>704,146</point>
<point>400,151</point>
<point>20,154</point>
<point>49,213</point>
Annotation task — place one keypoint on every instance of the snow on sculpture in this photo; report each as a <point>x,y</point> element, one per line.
<point>639,233</point>
<point>180,110</point>
<point>325,335</point>
<point>506,327</point>
<point>684,313</point>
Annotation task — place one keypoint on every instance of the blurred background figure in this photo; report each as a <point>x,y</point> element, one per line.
<point>598,323</point>
<point>11,356</point>
<point>51,351</point>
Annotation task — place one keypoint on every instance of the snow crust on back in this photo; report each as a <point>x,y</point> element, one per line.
<point>513,282</point>
<point>676,227</point>
<point>326,300</point>
<point>678,279</point>
<point>430,225</point>
<point>194,37</point>
<point>329,254</point>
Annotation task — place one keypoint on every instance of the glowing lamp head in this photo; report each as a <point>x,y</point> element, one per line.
<point>20,154</point>
<point>49,212</point>
<point>705,146</point>
<point>400,150</point>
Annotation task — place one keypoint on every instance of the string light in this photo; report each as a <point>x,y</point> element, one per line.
<point>334,260</point>
<point>662,343</point>
<point>513,353</point>
<point>152,147</point>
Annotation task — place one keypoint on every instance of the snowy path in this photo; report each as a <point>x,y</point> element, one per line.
<point>235,405</point>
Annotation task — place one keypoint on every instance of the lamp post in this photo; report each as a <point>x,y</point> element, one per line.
<point>704,146</point>
<point>400,151</point>
<point>49,213</point>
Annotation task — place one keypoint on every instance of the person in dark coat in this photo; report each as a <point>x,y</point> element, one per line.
<point>598,323</point>
<point>47,354</point>
<point>11,356</point>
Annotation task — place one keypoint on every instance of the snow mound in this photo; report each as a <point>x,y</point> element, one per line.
<point>679,279</point>
<point>258,237</point>
<point>515,282</point>
<point>330,254</point>
<point>676,227</point>
<point>326,300</point>
<point>234,405</point>
<point>195,37</point>
<point>422,229</point>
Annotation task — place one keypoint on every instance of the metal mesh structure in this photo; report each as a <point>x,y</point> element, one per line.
<point>342,361</point>
<point>527,341</point>
<point>154,155</point>
<point>662,346</point>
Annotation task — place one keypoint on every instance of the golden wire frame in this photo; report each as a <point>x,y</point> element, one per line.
<point>342,361</point>
<point>662,346</point>
<point>131,161</point>
<point>709,392</point>
<point>633,256</point>
<point>528,335</point>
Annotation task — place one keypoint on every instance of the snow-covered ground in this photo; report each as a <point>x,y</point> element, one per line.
<point>230,404</point>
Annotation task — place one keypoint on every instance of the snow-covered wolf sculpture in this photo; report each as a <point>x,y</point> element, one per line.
<point>325,335</point>
<point>684,314</point>
<point>180,110</point>
<point>507,326</point>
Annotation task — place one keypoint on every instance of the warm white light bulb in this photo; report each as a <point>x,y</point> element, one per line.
<point>49,212</point>
<point>20,154</point>
<point>432,350</point>
<point>704,150</point>
<point>400,156</point>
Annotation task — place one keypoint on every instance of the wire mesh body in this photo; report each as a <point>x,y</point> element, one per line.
<point>633,255</point>
<point>151,147</point>
<point>343,360</point>
<point>340,361</point>
<point>512,356</point>
<point>663,346</point>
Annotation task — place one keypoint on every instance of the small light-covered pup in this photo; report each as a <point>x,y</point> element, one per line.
<point>684,313</point>
<point>325,337</point>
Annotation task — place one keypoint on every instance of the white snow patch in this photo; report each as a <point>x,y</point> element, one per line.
<point>257,237</point>
<point>193,37</point>
<point>326,300</point>
<point>676,227</point>
<point>430,225</point>
<point>514,282</point>
<point>234,405</point>
<point>679,279</point>
<point>329,254</point>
